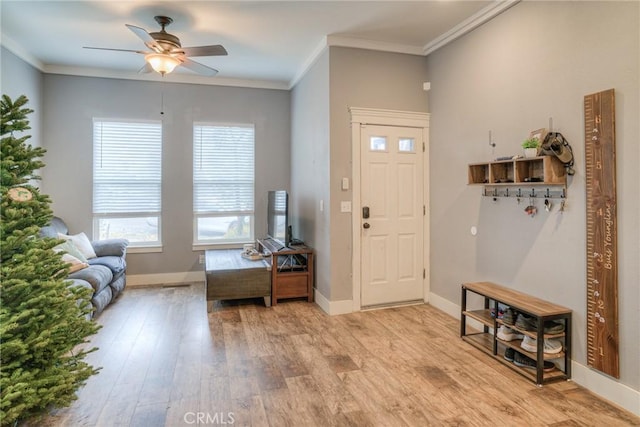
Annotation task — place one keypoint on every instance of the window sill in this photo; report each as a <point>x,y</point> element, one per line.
<point>144,249</point>
<point>204,246</point>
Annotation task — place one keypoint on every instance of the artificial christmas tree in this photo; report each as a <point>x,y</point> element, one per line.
<point>42,318</point>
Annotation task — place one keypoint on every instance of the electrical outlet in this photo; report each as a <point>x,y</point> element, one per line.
<point>201,259</point>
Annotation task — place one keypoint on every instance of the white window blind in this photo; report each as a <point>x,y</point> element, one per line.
<point>223,181</point>
<point>127,173</point>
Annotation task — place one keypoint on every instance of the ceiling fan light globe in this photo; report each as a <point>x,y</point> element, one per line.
<point>162,63</point>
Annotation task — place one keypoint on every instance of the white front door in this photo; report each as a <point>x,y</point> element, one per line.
<point>392,239</point>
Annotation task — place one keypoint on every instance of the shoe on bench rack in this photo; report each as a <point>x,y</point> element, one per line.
<point>509,317</point>
<point>523,361</point>
<point>505,333</point>
<point>525,323</point>
<point>551,346</point>
<point>509,353</point>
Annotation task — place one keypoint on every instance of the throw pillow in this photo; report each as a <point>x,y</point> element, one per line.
<point>72,250</point>
<point>76,264</point>
<point>72,256</point>
<point>82,243</point>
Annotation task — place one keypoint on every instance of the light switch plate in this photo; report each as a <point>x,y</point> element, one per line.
<point>345,183</point>
<point>345,206</point>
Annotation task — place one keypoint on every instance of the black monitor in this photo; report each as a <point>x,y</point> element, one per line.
<point>278,217</point>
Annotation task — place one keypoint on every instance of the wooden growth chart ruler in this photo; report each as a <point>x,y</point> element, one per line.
<point>602,233</point>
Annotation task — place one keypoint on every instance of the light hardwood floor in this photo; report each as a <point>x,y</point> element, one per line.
<point>165,361</point>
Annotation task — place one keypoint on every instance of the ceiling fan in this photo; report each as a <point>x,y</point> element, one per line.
<point>167,52</point>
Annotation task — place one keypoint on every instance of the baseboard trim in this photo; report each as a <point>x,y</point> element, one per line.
<point>605,387</point>
<point>332,308</point>
<point>612,390</point>
<point>141,280</point>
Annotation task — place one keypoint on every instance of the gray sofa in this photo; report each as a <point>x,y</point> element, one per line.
<point>106,274</point>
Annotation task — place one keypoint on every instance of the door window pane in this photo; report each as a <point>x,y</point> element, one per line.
<point>406,145</point>
<point>378,143</point>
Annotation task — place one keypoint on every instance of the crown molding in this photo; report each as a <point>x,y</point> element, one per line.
<point>308,63</point>
<point>469,24</point>
<point>343,41</point>
<point>481,17</point>
<point>171,78</point>
<point>20,52</point>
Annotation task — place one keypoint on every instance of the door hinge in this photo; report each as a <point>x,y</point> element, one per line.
<point>424,273</point>
<point>424,210</point>
<point>424,147</point>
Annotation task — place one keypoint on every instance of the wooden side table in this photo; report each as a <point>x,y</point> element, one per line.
<point>230,276</point>
<point>291,271</point>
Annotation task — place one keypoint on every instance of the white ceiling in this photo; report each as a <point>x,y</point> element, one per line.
<point>270,43</point>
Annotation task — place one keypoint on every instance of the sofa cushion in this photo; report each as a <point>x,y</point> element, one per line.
<point>77,283</point>
<point>102,299</point>
<point>110,247</point>
<point>98,276</point>
<point>55,227</point>
<point>117,286</point>
<point>116,264</point>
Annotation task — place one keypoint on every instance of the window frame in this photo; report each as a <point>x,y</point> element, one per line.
<point>134,246</point>
<point>200,244</point>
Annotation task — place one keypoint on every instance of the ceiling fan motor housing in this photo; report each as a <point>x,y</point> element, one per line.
<point>166,40</point>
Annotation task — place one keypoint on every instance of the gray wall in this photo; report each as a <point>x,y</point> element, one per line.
<point>310,166</point>
<point>321,145</point>
<point>537,60</point>
<point>71,103</point>
<point>19,78</point>
<point>366,79</point>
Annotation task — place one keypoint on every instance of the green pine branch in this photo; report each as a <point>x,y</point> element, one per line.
<point>43,320</point>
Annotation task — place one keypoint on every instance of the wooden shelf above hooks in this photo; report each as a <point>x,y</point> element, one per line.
<point>542,176</point>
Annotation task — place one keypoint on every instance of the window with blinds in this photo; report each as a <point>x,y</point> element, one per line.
<point>127,178</point>
<point>223,183</point>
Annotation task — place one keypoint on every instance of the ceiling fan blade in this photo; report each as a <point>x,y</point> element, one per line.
<point>117,50</point>
<point>145,37</point>
<point>199,68</point>
<point>213,50</point>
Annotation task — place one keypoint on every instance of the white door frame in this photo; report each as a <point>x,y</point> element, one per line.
<point>372,116</point>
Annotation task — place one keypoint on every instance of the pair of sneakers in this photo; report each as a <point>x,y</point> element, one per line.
<point>525,323</point>
<point>505,333</point>
<point>523,361</point>
<point>551,346</point>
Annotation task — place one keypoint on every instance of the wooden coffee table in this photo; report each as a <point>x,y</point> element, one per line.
<point>230,276</point>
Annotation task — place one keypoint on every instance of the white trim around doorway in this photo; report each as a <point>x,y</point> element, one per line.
<point>372,116</point>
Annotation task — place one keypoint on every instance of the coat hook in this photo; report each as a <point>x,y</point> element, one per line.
<point>491,143</point>
<point>533,192</point>
<point>547,194</point>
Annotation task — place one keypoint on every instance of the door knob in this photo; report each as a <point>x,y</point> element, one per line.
<point>366,225</point>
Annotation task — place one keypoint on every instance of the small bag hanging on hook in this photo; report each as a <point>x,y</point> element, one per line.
<point>531,210</point>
